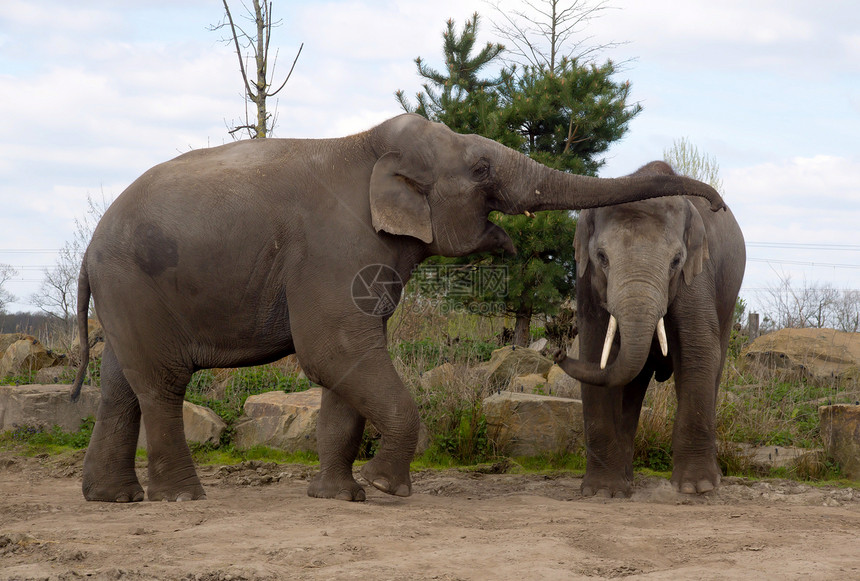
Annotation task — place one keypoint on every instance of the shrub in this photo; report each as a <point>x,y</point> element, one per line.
<point>226,395</point>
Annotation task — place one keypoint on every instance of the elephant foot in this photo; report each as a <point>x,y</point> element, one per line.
<point>179,494</point>
<point>382,475</point>
<point>696,479</point>
<point>606,487</point>
<point>345,488</point>
<point>112,493</point>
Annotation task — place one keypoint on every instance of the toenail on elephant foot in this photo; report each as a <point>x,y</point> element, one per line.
<point>122,494</point>
<point>337,488</point>
<point>126,497</point>
<point>697,486</point>
<point>388,483</point>
<point>385,486</point>
<point>607,489</point>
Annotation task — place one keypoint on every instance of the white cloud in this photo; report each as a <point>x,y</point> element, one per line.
<point>831,178</point>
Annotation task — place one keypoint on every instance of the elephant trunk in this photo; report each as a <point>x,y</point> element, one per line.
<point>637,332</point>
<point>638,315</point>
<point>533,187</point>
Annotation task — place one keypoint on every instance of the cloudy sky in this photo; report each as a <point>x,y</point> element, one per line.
<point>96,92</point>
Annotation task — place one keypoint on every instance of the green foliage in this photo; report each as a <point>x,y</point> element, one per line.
<point>457,97</point>
<point>740,309</point>
<point>53,438</point>
<point>467,442</point>
<point>653,452</point>
<point>429,354</point>
<point>574,462</point>
<point>221,455</point>
<point>21,379</point>
<point>243,383</point>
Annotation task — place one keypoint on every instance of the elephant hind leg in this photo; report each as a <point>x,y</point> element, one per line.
<point>171,471</point>
<point>339,431</point>
<point>109,474</point>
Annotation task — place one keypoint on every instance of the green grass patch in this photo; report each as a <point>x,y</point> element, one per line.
<point>206,454</point>
<point>36,440</point>
<point>567,462</point>
<point>425,354</point>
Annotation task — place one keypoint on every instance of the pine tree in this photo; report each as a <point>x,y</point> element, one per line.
<point>563,118</point>
<point>458,97</point>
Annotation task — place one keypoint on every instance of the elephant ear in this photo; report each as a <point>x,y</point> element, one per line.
<point>697,244</point>
<point>584,229</point>
<point>398,204</point>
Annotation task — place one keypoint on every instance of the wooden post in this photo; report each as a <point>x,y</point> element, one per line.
<point>752,326</point>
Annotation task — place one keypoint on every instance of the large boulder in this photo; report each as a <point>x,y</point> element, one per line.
<point>280,420</point>
<point>524,424</point>
<point>560,384</point>
<point>6,340</point>
<point>840,432</point>
<point>510,362</point>
<point>95,339</point>
<point>201,425</point>
<point>443,376</point>
<point>44,406</point>
<point>27,356</point>
<point>531,383</point>
<point>55,374</point>
<point>812,353</point>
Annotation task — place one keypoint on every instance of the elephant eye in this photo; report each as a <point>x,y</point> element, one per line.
<point>481,170</point>
<point>602,259</point>
<point>676,262</point>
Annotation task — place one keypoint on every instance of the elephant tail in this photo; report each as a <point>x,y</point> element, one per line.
<point>83,330</point>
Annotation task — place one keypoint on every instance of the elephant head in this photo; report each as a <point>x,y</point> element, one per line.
<point>631,260</point>
<point>439,187</point>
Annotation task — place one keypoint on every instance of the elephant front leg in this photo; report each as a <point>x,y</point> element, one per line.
<point>609,452</point>
<point>611,419</point>
<point>368,384</point>
<point>109,474</point>
<point>695,466</point>
<point>339,431</point>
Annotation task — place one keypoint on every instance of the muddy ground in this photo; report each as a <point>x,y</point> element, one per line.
<point>258,524</point>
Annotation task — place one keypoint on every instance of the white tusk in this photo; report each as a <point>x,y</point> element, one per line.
<point>537,192</point>
<point>607,344</point>
<point>661,337</point>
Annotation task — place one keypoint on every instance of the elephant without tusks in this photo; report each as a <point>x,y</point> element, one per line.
<point>241,254</point>
<point>666,274</point>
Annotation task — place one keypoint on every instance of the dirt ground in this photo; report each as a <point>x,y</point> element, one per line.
<point>258,524</point>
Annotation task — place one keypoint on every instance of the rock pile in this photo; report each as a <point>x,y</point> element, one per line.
<point>24,355</point>
<point>806,353</point>
<point>532,407</point>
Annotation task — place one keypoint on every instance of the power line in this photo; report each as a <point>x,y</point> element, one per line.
<point>802,246</point>
<point>802,263</point>
<point>27,251</point>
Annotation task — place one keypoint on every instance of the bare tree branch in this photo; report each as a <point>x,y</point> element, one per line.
<point>258,45</point>
<point>289,74</point>
<point>546,31</point>
<point>238,50</point>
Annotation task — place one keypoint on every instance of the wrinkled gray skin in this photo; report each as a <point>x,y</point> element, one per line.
<point>241,254</point>
<point>671,258</point>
